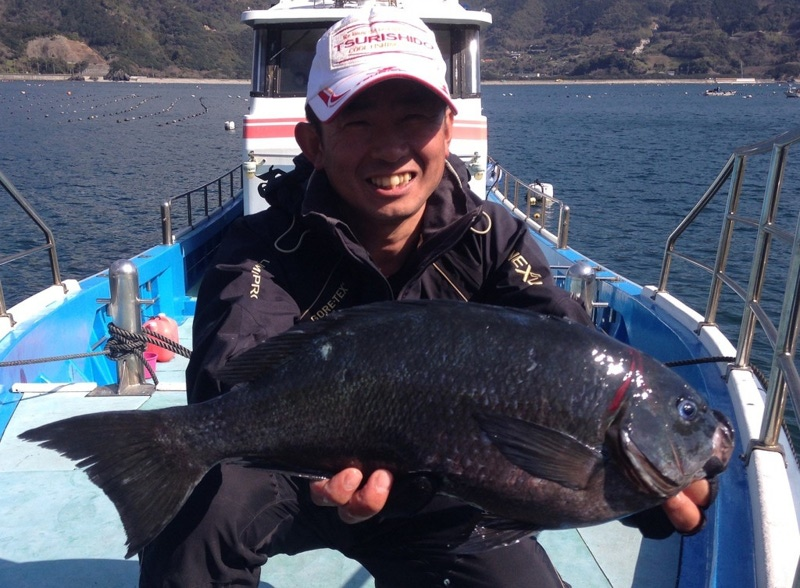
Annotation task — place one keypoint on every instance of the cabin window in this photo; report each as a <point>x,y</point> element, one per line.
<point>472,62</point>
<point>282,59</point>
<point>463,66</point>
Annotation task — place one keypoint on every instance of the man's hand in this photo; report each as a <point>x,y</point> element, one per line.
<point>684,509</point>
<point>359,504</point>
<point>355,504</point>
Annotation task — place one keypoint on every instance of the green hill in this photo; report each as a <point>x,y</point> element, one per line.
<point>633,38</point>
<point>529,38</point>
<point>194,37</point>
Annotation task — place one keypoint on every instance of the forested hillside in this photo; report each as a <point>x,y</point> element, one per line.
<point>632,38</point>
<point>190,37</point>
<point>529,38</point>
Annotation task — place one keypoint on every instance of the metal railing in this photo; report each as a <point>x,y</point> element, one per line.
<point>49,245</point>
<point>784,381</point>
<point>545,214</point>
<point>200,203</point>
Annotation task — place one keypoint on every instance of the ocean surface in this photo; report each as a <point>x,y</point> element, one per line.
<point>97,159</point>
<point>631,161</point>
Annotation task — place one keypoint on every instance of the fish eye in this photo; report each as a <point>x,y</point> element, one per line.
<point>687,409</point>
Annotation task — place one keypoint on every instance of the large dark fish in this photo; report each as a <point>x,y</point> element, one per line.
<point>536,420</point>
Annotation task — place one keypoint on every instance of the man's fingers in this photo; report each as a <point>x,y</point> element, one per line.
<point>699,493</point>
<point>683,513</point>
<point>369,500</point>
<point>355,504</point>
<point>337,490</point>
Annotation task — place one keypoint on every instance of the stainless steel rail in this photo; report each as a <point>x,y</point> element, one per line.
<point>212,197</point>
<point>784,381</point>
<point>545,214</point>
<point>200,204</point>
<point>49,245</point>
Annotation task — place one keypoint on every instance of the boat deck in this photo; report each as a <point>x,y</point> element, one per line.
<point>58,530</point>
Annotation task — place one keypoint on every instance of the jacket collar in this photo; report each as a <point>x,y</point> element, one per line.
<point>450,201</point>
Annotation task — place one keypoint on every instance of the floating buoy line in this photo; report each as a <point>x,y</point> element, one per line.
<point>72,107</point>
<point>201,113</point>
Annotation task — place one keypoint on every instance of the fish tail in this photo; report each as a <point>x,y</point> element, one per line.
<point>136,458</point>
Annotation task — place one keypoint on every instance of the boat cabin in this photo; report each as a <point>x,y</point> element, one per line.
<point>285,38</point>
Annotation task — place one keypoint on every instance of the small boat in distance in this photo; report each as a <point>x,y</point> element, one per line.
<point>719,92</point>
<point>792,92</point>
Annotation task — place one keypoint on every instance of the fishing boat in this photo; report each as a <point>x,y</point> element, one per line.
<point>78,346</point>
<point>792,92</point>
<point>719,92</point>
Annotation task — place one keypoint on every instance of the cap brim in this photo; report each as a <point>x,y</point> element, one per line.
<point>326,110</point>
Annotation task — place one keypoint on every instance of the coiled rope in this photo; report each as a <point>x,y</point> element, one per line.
<point>121,344</point>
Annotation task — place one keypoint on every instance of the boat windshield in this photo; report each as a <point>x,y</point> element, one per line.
<point>283,53</point>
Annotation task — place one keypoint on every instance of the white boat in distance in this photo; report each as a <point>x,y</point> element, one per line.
<point>719,92</point>
<point>58,529</point>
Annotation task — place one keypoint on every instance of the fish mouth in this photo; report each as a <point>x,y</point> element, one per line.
<point>722,446</point>
<point>639,468</point>
<point>641,471</point>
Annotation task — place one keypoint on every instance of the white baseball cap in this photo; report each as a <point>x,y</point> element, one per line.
<point>368,47</point>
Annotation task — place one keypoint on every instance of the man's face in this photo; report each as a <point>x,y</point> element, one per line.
<point>384,152</point>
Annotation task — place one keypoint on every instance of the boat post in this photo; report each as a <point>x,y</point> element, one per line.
<point>581,282</point>
<point>124,307</point>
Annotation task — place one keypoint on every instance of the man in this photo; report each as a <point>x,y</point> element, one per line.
<point>375,209</point>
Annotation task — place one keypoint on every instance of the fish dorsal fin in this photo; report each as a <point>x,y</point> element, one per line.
<point>264,357</point>
<point>273,352</point>
<point>541,451</point>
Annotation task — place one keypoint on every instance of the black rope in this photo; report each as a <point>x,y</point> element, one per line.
<point>16,362</point>
<point>699,360</point>
<point>762,379</point>
<point>121,344</point>
<point>135,340</point>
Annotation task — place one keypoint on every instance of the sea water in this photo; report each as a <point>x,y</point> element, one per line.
<point>96,160</point>
<point>630,160</point>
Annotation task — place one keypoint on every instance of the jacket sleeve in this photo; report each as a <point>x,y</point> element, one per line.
<point>522,278</point>
<point>238,306</point>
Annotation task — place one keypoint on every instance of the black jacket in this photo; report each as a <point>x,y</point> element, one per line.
<point>298,261</point>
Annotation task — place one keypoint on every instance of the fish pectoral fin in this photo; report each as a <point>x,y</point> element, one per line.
<point>541,451</point>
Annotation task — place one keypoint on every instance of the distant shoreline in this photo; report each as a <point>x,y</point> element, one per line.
<point>547,82</point>
<point>133,80</point>
<point>650,81</point>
